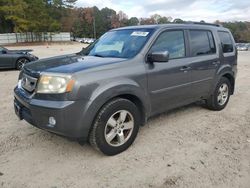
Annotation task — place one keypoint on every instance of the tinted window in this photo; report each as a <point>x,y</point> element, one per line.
<point>202,43</point>
<point>211,42</point>
<point>171,41</point>
<point>226,42</point>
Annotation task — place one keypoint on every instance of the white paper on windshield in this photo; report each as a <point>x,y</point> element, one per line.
<point>139,33</point>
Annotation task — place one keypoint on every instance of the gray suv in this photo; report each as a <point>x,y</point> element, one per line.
<point>104,93</point>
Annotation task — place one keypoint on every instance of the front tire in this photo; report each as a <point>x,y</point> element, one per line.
<point>220,97</point>
<point>21,62</point>
<point>116,127</point>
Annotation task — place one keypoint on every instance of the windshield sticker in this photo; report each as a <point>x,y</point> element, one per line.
<point>139,33</point>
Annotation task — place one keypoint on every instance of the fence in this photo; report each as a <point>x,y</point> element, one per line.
<point>10,38</point>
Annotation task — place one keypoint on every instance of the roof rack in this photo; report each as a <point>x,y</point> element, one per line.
<point>203,23</point>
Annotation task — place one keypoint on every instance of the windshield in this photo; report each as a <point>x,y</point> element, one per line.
<point>125,43</point>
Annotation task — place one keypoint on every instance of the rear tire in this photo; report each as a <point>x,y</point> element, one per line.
<point>21,62</point>
<point>116,127</point>
<point>220,97</point>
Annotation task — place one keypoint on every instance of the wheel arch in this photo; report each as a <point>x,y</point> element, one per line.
<point>231,80</point>
<point>137,101</point>
<point>127,91</point>
<point>226,71</point>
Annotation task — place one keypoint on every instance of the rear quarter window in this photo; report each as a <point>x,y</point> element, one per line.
<point>226,41</point>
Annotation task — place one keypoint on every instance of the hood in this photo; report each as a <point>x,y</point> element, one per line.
<point>69,63</point>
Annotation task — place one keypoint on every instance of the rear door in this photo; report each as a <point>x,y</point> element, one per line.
<point>169,82</point>
<point>204,61</point>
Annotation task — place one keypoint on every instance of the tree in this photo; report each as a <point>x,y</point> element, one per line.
<point>133,21</point>
<point>14,11</point>
<point>62,3</point>
<point>156,18</point>
<point>164,20</point>
<point>178,20</point>
<point>147,21</point>
<point>122,16</point>
<point>60,15</point>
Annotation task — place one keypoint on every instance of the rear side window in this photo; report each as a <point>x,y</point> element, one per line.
<point>171,41</point>
<point>226,42</point>
<point>202,43</point>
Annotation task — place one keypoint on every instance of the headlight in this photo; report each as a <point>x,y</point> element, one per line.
<point>55,84</point>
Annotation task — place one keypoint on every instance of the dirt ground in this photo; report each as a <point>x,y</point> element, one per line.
<point>186,147</point>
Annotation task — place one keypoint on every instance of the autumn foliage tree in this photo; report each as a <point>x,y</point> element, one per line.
<point>62,15</point>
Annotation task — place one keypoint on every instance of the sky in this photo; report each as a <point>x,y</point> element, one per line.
<point>191,10</point>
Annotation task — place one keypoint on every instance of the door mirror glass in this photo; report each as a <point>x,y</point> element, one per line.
<point>4,52</point>
<point>158,56</point>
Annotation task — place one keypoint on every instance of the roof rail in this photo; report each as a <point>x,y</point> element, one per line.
<point>203,23</point>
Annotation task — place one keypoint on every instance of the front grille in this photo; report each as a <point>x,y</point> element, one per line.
<point>28,83</point>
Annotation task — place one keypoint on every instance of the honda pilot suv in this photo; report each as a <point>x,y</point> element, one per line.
<point>104,93</point>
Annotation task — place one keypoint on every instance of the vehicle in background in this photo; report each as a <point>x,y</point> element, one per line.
<point>242,47</point>
<point>85,40</point>
<point>248,46</point>
<point>73,39</point>
<point>15,58</point>
<point>89,40</point>
<point>80,40</point>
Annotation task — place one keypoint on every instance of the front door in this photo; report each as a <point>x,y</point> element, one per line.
<point>169,82</point>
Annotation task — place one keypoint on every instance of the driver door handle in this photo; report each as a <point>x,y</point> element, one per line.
<point>185,68</point>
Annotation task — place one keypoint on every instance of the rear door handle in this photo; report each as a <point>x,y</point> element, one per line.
<point>185,68</point>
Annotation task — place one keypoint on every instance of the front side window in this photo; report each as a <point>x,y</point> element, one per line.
<point>171,41</point>
<point>125,43</point>
<point>202,43</point>
<point>226,42</point>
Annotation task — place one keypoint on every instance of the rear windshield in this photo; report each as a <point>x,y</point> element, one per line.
<point>125,43</point>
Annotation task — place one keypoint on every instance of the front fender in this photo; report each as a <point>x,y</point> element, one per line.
<point>104,93</point>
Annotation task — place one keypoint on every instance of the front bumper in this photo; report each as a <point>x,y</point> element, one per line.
<point>68,114</point>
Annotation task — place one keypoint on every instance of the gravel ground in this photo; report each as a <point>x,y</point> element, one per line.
<point>186,147</point>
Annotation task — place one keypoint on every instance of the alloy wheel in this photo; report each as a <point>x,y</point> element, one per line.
<point>119,128</point>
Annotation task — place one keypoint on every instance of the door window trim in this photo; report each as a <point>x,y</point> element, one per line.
<point>169,30</point>
<point>232,40</point>
<point>190,45</point>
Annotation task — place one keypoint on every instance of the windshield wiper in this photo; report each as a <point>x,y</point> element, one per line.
<point>98,55</point>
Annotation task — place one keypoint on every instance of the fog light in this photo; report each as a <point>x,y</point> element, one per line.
<point>52,121</point>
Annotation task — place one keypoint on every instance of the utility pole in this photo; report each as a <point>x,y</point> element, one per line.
<point>94,27</point>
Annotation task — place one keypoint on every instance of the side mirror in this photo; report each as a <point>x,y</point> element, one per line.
<point>158,56</point>
<point>4,52</point>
